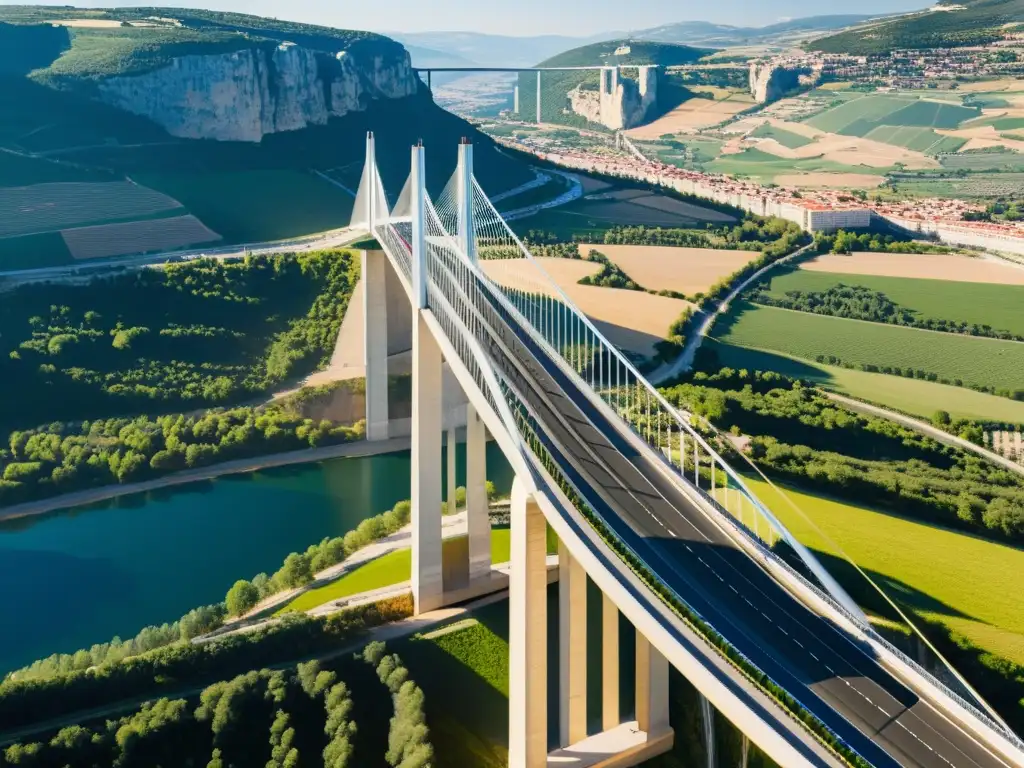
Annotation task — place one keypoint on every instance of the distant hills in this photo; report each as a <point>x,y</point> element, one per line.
<point>627,53</point>
<point>490,50</point>
<point>725,35</point>
<point>968,22</point>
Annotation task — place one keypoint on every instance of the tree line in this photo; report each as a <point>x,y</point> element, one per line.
<point>73,456</point>
<point>191,665</point>
<point>408,736</point>
<point>844,241</point>
<point>305,712</point>
<point>799,435</point>
<point>191,334</point>
<point>859,302</point>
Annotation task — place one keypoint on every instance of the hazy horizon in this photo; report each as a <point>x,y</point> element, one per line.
<point>573,18</point>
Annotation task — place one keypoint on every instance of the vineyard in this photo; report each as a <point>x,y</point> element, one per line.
<point>1007,444</point>
<point>137,237</point>
<point>52,207</point>
<point>972,361</point>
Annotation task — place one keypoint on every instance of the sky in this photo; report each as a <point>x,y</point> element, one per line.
<point>526,17</point>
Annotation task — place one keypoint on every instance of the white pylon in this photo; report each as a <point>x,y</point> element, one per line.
<point>417,181</point>
<point>467,229</point>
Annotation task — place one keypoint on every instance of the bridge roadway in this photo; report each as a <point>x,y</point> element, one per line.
<point>818,663</point>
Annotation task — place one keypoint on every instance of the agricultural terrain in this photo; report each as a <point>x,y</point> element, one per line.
<point>962,143</point>
<point>980,362</point>
<point>896,329</point>
<point>81,179</point>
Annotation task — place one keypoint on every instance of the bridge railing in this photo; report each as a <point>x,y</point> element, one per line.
<point>606,373</point>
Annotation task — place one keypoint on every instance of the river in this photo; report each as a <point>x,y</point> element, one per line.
<point>80,576</point>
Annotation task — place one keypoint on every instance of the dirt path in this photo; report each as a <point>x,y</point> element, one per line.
<point>924,428</point>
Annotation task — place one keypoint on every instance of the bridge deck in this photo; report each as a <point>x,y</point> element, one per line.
<point>817,662</point>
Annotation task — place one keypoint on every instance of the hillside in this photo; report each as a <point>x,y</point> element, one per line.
<point>706,33</point>
<point>971,22</point>
<point>227,128</point>
<point>635,53</point>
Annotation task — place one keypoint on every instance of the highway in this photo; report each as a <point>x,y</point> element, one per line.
<point>818,663</point>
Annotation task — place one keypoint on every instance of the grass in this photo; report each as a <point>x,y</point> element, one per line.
<point>969,584</point>
<point>257,205</point>
<point>998,306</point>
<point>784,137</point>
<point>979,361</point>
<point>874,107</point>
<point>1005,160</point>
<point>913,396</point>
<point>392,568</point>
<point>32,251</point>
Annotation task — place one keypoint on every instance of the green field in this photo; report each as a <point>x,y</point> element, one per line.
<point>31,251</point>
<point>979,361</point>
<point>998,306</point>
<point>784,137</point>
<point>1005,160</point>
<point>969,584</point>
<point>977,185</point>
<point>257,206</point>
<point>860,116</point>
<point>765,166</point>
<point>913,396</point>
<point>916,138</point>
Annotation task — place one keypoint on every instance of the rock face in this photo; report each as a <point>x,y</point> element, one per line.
<point>770,82</point>
<point>621,102</point>
<point>247,94</point>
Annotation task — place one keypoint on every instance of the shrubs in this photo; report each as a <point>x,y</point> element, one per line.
<point>408,737</point>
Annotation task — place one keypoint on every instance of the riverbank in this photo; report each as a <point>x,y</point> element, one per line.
<point>356,449</point>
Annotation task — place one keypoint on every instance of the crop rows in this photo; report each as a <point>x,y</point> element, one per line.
<point>52,207</point>
<point>974,361</point>
<point>137,237</point>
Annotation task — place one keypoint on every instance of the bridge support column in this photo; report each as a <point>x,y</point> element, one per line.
<point>427,574</point>
<point>449,486</point>
<point>572,649</point>
<point>375,343</point>
<point>610,706</point>
<point>527,700</point>
<point>478,521</point>
<point>651,689</point>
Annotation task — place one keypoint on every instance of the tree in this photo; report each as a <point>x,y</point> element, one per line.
<point>296,571</point>
<point>941,419</point>
<point>241,597</point>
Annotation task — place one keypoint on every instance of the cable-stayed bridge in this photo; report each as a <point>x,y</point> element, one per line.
<point>643,505</point>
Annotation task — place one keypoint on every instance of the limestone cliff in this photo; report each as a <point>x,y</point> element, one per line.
<point>770,82</point>
<point>621,102</point>
<point>247,94</point>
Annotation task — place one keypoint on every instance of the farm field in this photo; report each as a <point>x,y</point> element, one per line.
<point>998,306</point>
<point>632,320</point>
<point>592,216</point>
<point>51,207</point>
<point>996,159</point>
<point>695,114</point>
<point>830,180</point>
<point>758,164</point>
<point>965,582</point>
<point>858,116</point>
<point>686,270</point>
<point>259,205</point>
<point>979,186</point>
<point>137,237</point>
<point>781,135</point>
<point>932,266</point>
<point>979,361</point>
<point>916,138</point>
<point>913,396</point>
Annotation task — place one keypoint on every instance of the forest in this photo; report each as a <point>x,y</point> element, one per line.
<point>799,435</point>
<point>70,456</point>
<point>279,718</point>
<point>188,335</point>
